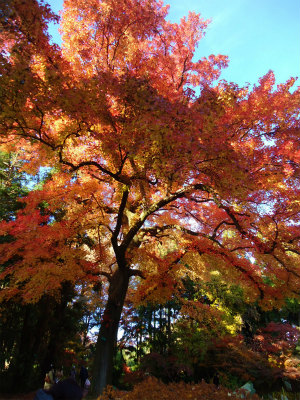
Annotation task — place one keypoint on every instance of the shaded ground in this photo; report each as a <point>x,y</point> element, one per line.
<point>28,396</point>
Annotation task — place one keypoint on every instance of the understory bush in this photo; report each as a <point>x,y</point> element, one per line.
<point>154,389</point>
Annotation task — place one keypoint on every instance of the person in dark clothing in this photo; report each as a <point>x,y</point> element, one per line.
<point>66,389</point>
<point>83,375</point>
<point>73,373</point>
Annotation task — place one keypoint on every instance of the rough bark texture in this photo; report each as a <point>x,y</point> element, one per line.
<point>107,338</point>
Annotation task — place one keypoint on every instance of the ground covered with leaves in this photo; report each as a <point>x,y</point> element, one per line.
<point>153,389</point>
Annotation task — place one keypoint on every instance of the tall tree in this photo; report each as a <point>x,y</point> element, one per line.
<point>12,185</point>
<point>152,176</point>
<point>31,335</point>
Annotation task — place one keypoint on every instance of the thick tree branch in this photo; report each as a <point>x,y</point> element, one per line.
<point>90,164</point>
<point>114,238</point>
<point>106,274</point>
<point>136,272</point>
<point>234,219</point>
<point>157,206</point>
<point>116,176</point>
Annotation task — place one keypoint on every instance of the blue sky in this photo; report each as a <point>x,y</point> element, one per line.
<point>257,35</point>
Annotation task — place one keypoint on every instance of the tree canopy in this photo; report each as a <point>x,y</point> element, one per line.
<point>158,170</point>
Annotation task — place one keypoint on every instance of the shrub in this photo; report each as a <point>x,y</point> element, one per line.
<point>154,389</point>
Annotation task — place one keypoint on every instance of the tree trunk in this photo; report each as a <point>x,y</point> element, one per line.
<point>22,363</point>
<point>107,338</point>
<point>169,326</point>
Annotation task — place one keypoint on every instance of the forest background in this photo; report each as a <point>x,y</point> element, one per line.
<point>187,314</point>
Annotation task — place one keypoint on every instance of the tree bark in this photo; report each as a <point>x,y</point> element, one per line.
<point>107,338</point>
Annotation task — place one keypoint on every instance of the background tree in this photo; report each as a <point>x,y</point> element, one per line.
<point>31,335</point>
<point>223,334</point>
<point>11,189</point>
<point>153,175</point>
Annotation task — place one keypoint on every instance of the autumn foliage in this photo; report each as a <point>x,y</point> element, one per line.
<point>157,171</point>
<point>153,389</point>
